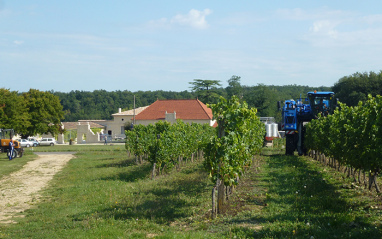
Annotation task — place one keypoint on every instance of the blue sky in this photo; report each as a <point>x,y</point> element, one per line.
<point>163,45</point>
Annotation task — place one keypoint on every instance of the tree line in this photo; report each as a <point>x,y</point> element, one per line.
<point>356,87</point>
<point>37,111</point>
<point>101,104</point>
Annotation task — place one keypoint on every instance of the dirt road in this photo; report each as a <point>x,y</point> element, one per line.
<point>20,190</point>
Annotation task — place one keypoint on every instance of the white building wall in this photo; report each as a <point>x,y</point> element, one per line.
<point>170,117</point>
<point>145,122</point>
<point>84,130</point>
<point>209,122</point>
<point>116,125</point>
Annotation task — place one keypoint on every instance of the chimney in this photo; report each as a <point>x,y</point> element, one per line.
<point>119,110</point>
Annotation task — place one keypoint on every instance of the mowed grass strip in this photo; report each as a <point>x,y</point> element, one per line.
<point>8,166</point>
<point>308,200</point>
<point>78,148</point>
<point>102,194</point>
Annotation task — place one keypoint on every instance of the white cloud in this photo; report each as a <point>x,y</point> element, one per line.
<point>347,30</point>
<point>325,27</point>
<point>194,18</point>
<point>303,14</point>
<point>18,42</point>
<point>372,19</point>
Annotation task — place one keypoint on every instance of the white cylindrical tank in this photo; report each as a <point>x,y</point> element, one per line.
<point>275,130</point>
<point>268,129</point>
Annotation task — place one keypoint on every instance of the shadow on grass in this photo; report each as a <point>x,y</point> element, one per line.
<point>119,164</point>
<point>161,201</point>
<point>159,209</point>
<point>301,204</point>
<point>132,173</point>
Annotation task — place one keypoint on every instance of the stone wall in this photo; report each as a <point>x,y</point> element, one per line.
<point>86,135</point>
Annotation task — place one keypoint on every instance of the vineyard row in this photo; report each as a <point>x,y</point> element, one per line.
<point>351,137</point>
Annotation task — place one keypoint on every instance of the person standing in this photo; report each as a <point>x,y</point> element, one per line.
<point>11,149</point>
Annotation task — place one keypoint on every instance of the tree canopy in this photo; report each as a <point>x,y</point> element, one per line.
<point>13,111</point>
<point>354,88</point>
<point>45,112</point>
<point>101,104</point>
<point>30,113</point>
<point>22,111</point>
<point>234,87</point>
<point>206,90</point>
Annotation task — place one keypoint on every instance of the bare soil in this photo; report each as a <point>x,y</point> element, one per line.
<point>21,190</point>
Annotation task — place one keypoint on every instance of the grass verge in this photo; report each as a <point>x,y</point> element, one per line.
<point>78,148</point>
<point>307,200</point>
<point>102,194</point>
<point>9,166</point>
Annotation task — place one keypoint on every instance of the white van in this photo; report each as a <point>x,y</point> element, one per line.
<point>47,141</point>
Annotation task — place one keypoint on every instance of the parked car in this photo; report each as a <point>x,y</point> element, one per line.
<point>32,139</point>
<point>35,143</point>
<point>47,141</point>
<point>25,143</point>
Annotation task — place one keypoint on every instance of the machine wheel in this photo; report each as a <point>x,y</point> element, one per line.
<point>289,145</point>
<point>20,153</point>
<point>14,155</point>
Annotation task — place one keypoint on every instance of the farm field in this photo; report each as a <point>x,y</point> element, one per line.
<point>102,193</point>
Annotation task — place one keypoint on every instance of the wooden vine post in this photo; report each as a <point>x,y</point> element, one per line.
<point>219,182</point>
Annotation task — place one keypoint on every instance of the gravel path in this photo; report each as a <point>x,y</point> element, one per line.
<point>20,190</point>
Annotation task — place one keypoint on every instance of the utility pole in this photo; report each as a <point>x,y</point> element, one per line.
<point>134,111</point>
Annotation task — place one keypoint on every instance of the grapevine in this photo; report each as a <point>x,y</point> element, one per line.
<point>352,136</point>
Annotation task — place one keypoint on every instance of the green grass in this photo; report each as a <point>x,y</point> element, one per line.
<point>307,200</point>
<point>8,166</point>
<point>102,194</point>
<point>79,148</point>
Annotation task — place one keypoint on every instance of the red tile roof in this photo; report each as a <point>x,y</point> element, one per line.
<point>185,110</point>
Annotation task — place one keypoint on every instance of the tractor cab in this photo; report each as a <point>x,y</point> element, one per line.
<point>322,103</point>
<point>5,136</point>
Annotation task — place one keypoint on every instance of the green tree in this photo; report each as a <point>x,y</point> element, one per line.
<point>234,87</point>
<point>13,111</point>
<point>263,99</point>
<point>206,90</point>
<point>354,88</point>
<point>45,113</point>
